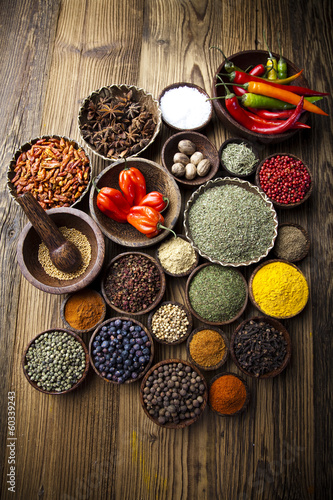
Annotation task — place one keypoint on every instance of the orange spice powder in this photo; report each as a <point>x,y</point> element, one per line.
<point>227,394</point>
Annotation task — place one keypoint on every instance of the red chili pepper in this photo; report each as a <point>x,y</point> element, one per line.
<point>133,185</point>
<point>272,122</point>
<point>239,91</point>
<point>147,220</point>
<point>111,202</point>
<point>258,70</point>
<point>155,200</point>
<point>272,115</point>
<point>243,77</point>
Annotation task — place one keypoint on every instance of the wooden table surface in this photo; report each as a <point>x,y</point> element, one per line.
<point>96,442</point>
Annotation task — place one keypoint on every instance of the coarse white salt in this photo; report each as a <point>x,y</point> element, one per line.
<point>185,107</point>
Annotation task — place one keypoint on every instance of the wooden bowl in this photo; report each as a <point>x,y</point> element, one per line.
<point>158,297</point>
<point>184,111</point>
<point>306,235</point>
<point>86,330</point>
<point>204,320</point>
<point>226,352</point>
<point>255,303</point>
<point>243,60</point>
<point>135,323</point>
<point>185,422</point>
<point>202,144</point>
<point>183,337</point>
<point>275,203</point>
<point>190,269</point>
<point>139,96</point>
<point>76,337</point>
<point>246,400</point>
<point>157,179</point>
<point>250,145</point>
<point>278,326</point>
<point>29,241</point>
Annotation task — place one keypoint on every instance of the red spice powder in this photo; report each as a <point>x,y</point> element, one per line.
<point>227,394</point>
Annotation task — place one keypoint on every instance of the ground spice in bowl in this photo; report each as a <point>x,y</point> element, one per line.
<point>83,310</point>
<point>177,256</point>
<point>228,394</point>
<point>207,348</point>
<point>292,242</point>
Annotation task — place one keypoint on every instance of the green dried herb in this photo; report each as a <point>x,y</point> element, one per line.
<point>239,158</point>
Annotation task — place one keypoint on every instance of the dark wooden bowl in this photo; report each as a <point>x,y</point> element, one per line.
<point>157,179</point>
<point>275,203</point>
<point>183,423</point>
<point>72,334</point>
<point>137,323</point>
<point>250,145</point>
<point>181,339</point>
<point>29,241</point>
<point>306,235</point>
<point>159,296</point>
<point>251,291</point>
<point>225,356</point>
<point>196,315</point>
<point>87,330</point>
<point>246,400</point>
<point>243,60</point>
<point>278,326</point>
<point>193,86</point>
<point>203,145</point>
<point>180,274</point>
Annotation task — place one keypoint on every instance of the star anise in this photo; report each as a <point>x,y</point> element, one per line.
<point>110,110</point>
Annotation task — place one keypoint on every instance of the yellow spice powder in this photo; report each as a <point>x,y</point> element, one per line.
<point>207,348</point>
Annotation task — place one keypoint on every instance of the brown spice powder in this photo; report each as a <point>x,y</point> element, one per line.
<point>207,348</point>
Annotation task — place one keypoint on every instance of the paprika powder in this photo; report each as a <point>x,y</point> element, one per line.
<point>227,394</point>
<point>84,309</point>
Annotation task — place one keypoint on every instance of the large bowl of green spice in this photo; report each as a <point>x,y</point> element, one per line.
<point>230,222</point>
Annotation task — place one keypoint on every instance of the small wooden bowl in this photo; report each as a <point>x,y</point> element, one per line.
<point>153,304</point>
<point>86,330</point>
<point>204,123</point>
<point>275,203</point>
<point>190,269</point>
<point>196,315</point>
<point>306,235</point>
<point>251,290</point>
<point>250,145</point>
<point>136,323</point>
<point>278,326</point>
<point>76,337</point>
<point>181,339</point>
<point>157,179</point>
<point>183,423</point>
<point>246,400</point>
<point>202,144</point>
<point>243,60</point>
<point>29,241</point>
<point>225,356</point>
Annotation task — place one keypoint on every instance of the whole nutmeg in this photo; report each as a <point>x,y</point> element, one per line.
<point>187,147</point>
<point>178,169</point>
<point>203,167</point>
<point>181,158</point>
<point>190,171</point>
<point>197,157</point>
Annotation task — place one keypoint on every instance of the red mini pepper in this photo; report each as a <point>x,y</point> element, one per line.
<point>155,200</point>
<point>258,70</point>
<point>111,202</point>
<point>133,185</point>
<point>147,220</point>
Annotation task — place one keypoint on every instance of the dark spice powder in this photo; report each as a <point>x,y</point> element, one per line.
<point>291,243</point>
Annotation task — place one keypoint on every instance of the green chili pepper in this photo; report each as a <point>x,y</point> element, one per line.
<point>250,100</point>
<point>229,66</point>
<point>282,65</point>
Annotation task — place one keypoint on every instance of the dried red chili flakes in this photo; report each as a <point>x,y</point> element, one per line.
<point>54,171</point>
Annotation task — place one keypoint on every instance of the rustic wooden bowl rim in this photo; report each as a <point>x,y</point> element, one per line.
<point>225,340</point>
<point>304,232</point>
<point>189,328</point>
<point>250,145</point>
<point>86,330</point>
<point>247,399</point>
<point>180,275</point>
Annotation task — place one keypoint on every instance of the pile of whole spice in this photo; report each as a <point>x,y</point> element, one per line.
<point>121,350</point>
<point>238,158</point>
<point>169,322</point>
<point>174,392</point>
<point>291,243</point>
<point>207,348</point>
<point>259,347</point>
<point>84,309</point>
<point>55,361</point>
<point>189,162</point>
<point>176,255</point>
<point>227,394</point>
<point>217,293</point>
<point>133,282</point>
<point>185,107</point>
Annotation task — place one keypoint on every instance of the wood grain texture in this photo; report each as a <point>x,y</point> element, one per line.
<point>97,443</point>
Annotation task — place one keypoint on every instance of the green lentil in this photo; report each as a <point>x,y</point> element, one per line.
<point>217,293</point>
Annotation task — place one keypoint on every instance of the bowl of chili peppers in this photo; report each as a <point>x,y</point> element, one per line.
<point>265,107</point>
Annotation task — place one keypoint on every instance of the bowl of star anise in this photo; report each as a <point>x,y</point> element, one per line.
<point>119,121</point>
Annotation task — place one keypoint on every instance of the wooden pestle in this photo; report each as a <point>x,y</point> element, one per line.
<point>63,253</point>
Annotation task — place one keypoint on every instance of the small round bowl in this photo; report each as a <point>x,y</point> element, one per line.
<point>306,236</point>
<point>185,422</point>
<point>157,179</point>
<point>29,241</point>
<point>284,205</point>
<point>250,145</point>
<point>183,337</point>
<point>183,108</point>
<point>204,320</point>
<point>226,352</point>
<point>243,60</point>
<point>202,144</point>
<point>135,323</point>
<point>86,330</point>
<point>278,326</point>
<point>189,270</point>
<point>158,297</point>
<point>140,96</point>
<point>11,175</point>
<point>246,402</point>
<point>76,337</point>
